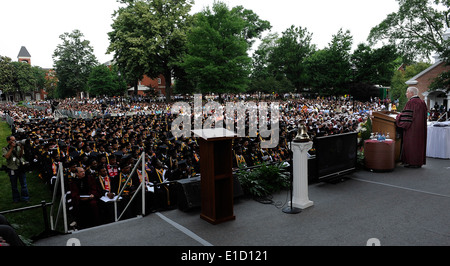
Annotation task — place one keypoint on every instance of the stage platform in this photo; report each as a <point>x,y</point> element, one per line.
<point>405,207</point>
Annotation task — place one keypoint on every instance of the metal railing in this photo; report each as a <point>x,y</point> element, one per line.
<point>9,120</point>
<point>141,188</point>
<point>445,114</point>
<point>62,203</point>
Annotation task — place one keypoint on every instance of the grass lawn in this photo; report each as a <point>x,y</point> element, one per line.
<point>28,223</point>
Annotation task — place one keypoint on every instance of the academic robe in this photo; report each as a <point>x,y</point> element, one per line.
<point>413,121</point>
<point>102,187</point>
<point>85,212</point>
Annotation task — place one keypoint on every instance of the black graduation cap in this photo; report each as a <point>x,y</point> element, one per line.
<point>126,157</point>
<point>182,164</point>
<point>72,163</point>
<point>163,147</point>
<point>124,163</point>
<point>94,154</point>
<point>118,154</point>
<point>74,154</point>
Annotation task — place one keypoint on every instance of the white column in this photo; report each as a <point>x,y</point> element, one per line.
<point>300,174</point>
<point>448,103</point>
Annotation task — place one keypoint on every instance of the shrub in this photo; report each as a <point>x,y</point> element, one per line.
<point>264,180</point>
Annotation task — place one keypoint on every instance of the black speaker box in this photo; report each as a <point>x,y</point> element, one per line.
<point>189,193</point>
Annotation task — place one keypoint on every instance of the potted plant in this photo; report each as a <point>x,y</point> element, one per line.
<point>262,181</point>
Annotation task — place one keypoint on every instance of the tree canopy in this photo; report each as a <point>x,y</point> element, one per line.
<point>105,80</point>
<point>416,29</point>
<point>73,60</point>
<point>375,65</point>
<point>149,37</point>
<point>290,51</point>
<point>217,57</point>
<point>19,77</point>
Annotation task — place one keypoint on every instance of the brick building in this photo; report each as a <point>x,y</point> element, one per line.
<point>25,57</point>
<point>423,80</point>
<point>146,84</point>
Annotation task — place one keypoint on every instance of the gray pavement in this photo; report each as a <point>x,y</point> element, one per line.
<point>405,207</point>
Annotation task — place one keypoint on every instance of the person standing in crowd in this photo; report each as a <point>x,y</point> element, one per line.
<point>14,154</point>
<point>413,121</point>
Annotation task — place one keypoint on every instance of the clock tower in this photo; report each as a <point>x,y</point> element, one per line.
<point>24,55</point>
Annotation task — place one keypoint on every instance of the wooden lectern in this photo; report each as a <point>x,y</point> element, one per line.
<point>384,122</point>
<point>216,181</point>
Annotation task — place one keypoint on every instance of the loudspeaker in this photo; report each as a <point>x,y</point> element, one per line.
<point>237,189</point>
<point>189,193</point>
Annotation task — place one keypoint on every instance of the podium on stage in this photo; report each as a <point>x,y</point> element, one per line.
<point>384,122</point>
<point>216,182</point>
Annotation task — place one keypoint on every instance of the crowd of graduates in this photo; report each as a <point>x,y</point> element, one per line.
<point>98,154</point>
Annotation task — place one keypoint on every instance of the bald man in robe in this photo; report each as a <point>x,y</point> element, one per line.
<point>413,121</point>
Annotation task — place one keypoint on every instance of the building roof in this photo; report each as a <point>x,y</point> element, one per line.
<point>413,80</point>
<point>23,52</point>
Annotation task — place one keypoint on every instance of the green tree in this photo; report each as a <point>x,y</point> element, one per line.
<point>51,84</point>
<point>317,66</point>
<point>375,66</point>
<point>73,61</point>
<point>21,78</point>
<point>443,80</point>
<point>217,59</point>
<point>398,86</point>
<point>6,74</point>
<point>25,79</point>
<point>340,65</point>
<point>104,80</point>
<point>149,37</point>
<point>261,78</point>
<point>39,75</point>
<point>128,42</point>
<point>329,70</point>
<point>286,59</point>
<point>416,29</point>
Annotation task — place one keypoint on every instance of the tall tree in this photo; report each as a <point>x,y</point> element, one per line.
<point>375,66</point>
<point>262,79</point>
<point>73,60</point>
<point>149,37</point>
<point>105,80</point>
<point>26,78</point>
<point>217,59</point>
<point>329,70</point>
<point>286,59</point>
<point>21,78</point>
<point>416,29</point>
<point>6,74</point>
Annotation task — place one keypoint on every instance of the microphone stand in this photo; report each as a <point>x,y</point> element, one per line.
<point>290,209</point>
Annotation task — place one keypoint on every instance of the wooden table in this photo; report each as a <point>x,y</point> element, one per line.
<point>379,155</point>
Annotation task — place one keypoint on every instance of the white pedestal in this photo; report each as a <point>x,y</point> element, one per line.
<point>300,174</point>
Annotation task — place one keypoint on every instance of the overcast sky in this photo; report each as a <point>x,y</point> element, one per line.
<point>37,24</point>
